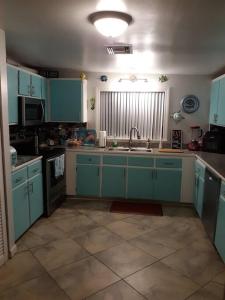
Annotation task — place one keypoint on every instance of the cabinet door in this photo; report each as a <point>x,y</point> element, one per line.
<point>21,210</point>
<point>221,103</point>
<point>12,80</point>
<point>35,198</point>
<point>213,115</point>
<point>44,89</point>
<point>65,99</point>
<point>88,180</point>
<point>199,194</point>
<point>220,229</point>
<point>24,83</point>
<point>140,183</point>
<point>167,185</point>
<point>113,182</point>
<point>36,86</point>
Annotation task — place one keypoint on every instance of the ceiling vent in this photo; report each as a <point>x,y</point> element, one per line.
<point>119,49</point>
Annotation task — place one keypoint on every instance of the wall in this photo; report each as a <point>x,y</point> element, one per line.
<point>179,85</point>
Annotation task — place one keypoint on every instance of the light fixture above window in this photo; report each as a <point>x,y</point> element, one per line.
<point>110,23</point>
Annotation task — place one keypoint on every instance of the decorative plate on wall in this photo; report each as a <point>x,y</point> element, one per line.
<point>190,104</point>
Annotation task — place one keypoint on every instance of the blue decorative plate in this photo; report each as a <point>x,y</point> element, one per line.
<point>190,104</point>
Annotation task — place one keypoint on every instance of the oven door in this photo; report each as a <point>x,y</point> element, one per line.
<point>32,111</point>
<point>55,183</point>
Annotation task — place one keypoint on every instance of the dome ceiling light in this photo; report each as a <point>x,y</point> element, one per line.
<point>110,23</point>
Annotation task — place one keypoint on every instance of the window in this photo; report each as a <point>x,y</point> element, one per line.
<point>148,111</point>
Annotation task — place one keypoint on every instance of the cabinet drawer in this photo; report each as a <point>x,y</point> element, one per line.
<point>88,159</point>
<point>19,177</point>
<point>222,190</point>
<point>114,160</point>
<point>34,169</point>
<point>141,161</point>
<point>168,163</point>
<point>199,169</point>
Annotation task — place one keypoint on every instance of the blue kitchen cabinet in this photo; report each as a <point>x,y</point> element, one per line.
<point>36,86</point>
<point>199,187</point>
<point>12,81</point>
<point>67,100</point>
<point>167,185</point>
<point>35,197</point>
<point>140,184</point>
<point>214,99</point>
<point>29,84</point>
<point>113,182</point>
<point>88,180</point>
<point>221,103</point>
<point>44,88</point>
<point>21,212</point>
<point>220,228</point>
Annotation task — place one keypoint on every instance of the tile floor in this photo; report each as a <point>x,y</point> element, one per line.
<point>85,252</point>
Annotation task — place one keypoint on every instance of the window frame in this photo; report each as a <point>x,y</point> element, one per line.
<point>119,88</point>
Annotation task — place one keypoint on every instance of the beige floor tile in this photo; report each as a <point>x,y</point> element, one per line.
<point>125,259</point>
<point>64,212</point>
<point>98,240</point>
<point>105,217</point>
<point>220,278</point>
<point>117,291</point>
<point>159,282</point>
<point>94,205</point>
<point>212,291</point>
<point>21,268</point>
<point>59,253</point>
<point>127,230</point>
<point>84,278</point>
<point>75,226</point>
<point>199,261</point>
<point>41,288</point>
<point>181,211</point>
<point>151,247</point>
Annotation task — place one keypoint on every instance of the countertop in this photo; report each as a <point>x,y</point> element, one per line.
<point>24,160</point>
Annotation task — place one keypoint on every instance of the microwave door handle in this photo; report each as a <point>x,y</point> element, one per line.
<point>23,111</point>
<point>43,112</point>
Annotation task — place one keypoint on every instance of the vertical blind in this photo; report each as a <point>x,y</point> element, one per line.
<point>119,111</point>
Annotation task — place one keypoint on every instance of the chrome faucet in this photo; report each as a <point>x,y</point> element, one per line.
<point>138,135</point>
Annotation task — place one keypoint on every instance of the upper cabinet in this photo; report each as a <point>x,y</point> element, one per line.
<point>217,102</point>
<point>68,100</point>
<point>30,84</point>
<point>12,79</point>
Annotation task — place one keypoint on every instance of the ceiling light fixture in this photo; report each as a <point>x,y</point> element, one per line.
<point>110,23</point>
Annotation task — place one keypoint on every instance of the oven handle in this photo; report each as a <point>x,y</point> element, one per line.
<point>54,158</point>
<point>43,112</point>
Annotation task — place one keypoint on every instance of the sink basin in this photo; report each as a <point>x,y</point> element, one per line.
<point>119,149</point>
<point>142,149</point>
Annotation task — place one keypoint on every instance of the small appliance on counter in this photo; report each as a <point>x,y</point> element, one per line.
<point>102,139</point>
<point>196,134</point>
<point>214,140</point>
<point>13,154</point>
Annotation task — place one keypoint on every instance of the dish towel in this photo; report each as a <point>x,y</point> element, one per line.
<point>59,166</point>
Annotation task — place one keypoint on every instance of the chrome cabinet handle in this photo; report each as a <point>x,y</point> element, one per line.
<point>31,188</point>
<point>35,170</point>
<point>19,179</point>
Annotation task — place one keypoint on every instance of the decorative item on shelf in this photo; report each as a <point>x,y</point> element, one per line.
<point>92,103</point>
<point>163,78</point>
<point>103,78</point>
<point>133,78</point>
<point>83,76</point>
<point>177,116</point>
<point>176,139</point>
<point>190,104</point>
<point>48,73</point>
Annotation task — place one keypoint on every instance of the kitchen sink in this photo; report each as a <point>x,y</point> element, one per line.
<point>126,149</point>
<point>118,149</point>
<point>142,149</point>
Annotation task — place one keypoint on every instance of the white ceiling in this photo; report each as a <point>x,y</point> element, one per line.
<point>168,36</point>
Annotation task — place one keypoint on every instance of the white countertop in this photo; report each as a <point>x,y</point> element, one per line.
<point>24,160</point>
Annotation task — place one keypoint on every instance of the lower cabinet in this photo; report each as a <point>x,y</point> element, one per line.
<point>35,191</point>
<point>114,182</point>
<point>21,211</point>
<point>140,183</point>
<point>88,180</point>
<point>167,186</point>
<point>220,228</point>
<point>27,197</point>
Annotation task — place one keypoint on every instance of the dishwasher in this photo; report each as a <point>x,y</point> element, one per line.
<point>210,203</point>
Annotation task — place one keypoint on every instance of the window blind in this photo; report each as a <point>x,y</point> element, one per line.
<point>119,111</point>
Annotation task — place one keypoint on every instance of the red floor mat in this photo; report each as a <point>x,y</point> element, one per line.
<point>137,208</point>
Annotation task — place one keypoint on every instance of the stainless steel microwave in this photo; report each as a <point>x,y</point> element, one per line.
<point>31,111</point>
